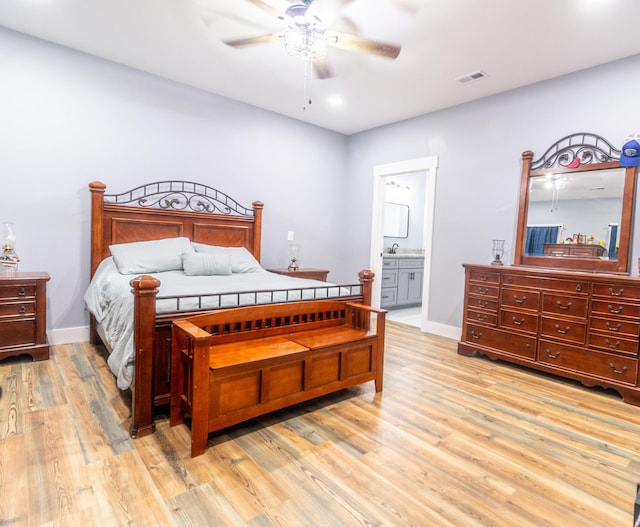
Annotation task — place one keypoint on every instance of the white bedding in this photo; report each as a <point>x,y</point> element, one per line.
<point>110,300</point>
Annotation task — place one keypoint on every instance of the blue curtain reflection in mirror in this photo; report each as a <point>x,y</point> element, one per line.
<point>613,241</point>
<point>538,235</point>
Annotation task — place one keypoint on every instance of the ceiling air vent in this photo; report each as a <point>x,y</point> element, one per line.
<point>475,76</point>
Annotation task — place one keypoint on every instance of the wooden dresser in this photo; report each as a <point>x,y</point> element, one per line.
<point>578,325</point>
<point>23,315</point>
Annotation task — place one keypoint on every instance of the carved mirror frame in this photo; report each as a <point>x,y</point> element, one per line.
<point>576,153</point>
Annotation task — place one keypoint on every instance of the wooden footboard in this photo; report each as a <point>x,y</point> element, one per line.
<point>152,341</point>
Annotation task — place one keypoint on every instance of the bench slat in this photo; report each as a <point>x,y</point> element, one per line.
<point>252,351</point>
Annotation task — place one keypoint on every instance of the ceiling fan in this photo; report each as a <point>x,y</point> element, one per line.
<point>307,36</point>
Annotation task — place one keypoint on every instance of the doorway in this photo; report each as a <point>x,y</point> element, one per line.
<point>428,166</point>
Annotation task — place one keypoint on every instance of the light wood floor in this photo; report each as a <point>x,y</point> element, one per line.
<point>452,441</point>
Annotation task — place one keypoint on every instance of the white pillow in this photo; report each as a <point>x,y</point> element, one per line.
<point>202,264</point>
<point>242,261</point>
<point>150,256</point>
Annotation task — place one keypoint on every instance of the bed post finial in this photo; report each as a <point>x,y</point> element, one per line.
<point>366,277</point>
<point>257,228</point>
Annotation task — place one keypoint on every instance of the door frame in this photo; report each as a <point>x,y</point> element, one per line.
<point>429,166</point>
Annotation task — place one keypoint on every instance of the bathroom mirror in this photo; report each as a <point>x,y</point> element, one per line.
<point>396,220</point>
<point>576,207</point>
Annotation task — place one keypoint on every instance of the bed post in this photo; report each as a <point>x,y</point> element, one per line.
<point>97,238</point>
<point>366,279</point>
<point>145,289</point>
<point>257,228</point>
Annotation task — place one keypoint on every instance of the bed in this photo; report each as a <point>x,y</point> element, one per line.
<point>132,292</point>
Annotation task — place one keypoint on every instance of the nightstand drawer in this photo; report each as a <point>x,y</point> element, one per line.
<point>17,333</point>
<point>16,309</point>
<point>17,291</point>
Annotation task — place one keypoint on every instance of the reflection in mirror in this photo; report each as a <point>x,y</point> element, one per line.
<point>396,220</point>
<point>576,207</point>
<point>585,205</point>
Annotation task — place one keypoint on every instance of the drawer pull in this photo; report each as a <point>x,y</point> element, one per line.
<point>475,335</point>
<point>22,292</point>
<point>484,277</point>
<point>519,300</point>
<point>624,368</point>
<point>613,293</point>
<point>481,317</point>
<point>614,346</point>
<point>613,328</point>
<point>518,322</point>
<point>22,309</point>
<point>563,331</point>
<point>566,307</point>
<point>579,287</point>
<point>483,290</point>
<point>482,303</point>
<point>552,355</point>
<point>510,279</point>
<point>615,311</point>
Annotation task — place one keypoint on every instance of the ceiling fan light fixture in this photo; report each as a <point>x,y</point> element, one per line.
<point>305,42</point>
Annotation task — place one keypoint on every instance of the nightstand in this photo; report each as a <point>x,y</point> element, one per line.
<point>313,274</point>
<point>23,315</point>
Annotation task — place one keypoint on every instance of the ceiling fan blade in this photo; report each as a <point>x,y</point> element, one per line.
<point>267,8</point>
<point>322,69</point>
<point>262,39</point>
<point>364,45</point>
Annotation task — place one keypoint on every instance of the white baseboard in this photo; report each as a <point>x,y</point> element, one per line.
<point>68,335</point>
<point>443,330</point>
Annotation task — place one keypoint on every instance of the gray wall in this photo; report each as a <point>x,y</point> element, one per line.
<point>479,147</point>
<point>69,118</point>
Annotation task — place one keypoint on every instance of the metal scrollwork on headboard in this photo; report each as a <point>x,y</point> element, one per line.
<point>180,195</point>
<point>576,150</point>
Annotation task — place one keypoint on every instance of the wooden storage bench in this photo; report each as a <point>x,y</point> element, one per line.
<point>229,366</point>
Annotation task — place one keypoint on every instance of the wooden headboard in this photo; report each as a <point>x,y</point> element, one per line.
<point>168,209</point>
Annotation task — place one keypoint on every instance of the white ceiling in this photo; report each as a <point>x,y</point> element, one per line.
<point>515,42</point>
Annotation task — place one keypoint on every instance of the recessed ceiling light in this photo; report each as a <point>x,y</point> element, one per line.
<point>335,100</point>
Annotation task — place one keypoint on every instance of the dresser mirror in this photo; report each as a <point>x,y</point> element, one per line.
<point>576,207</point>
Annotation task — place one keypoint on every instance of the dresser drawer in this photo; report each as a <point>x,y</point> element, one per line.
<point>486,304</point>
<point>17,291</point>
<point>573,306</point>
<point>483,290</point>
<point>539,282</point>
<point>594,363</point>
<point>482,317</point>
<point>521,345</point>
<point>614,343</point>
<point>613,291</point>
<point>17,309</point>
<point>519,321</point>
<point>17,332</point>
<point>612,326</point>
<point>618,309</point>
<point>562,329</point>
<point>476,275</point>
<point>520,298</point>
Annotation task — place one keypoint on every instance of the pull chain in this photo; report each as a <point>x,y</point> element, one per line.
<point>306,92</point>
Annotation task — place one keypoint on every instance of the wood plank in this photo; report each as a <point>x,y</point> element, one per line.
<point>451,441</point>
